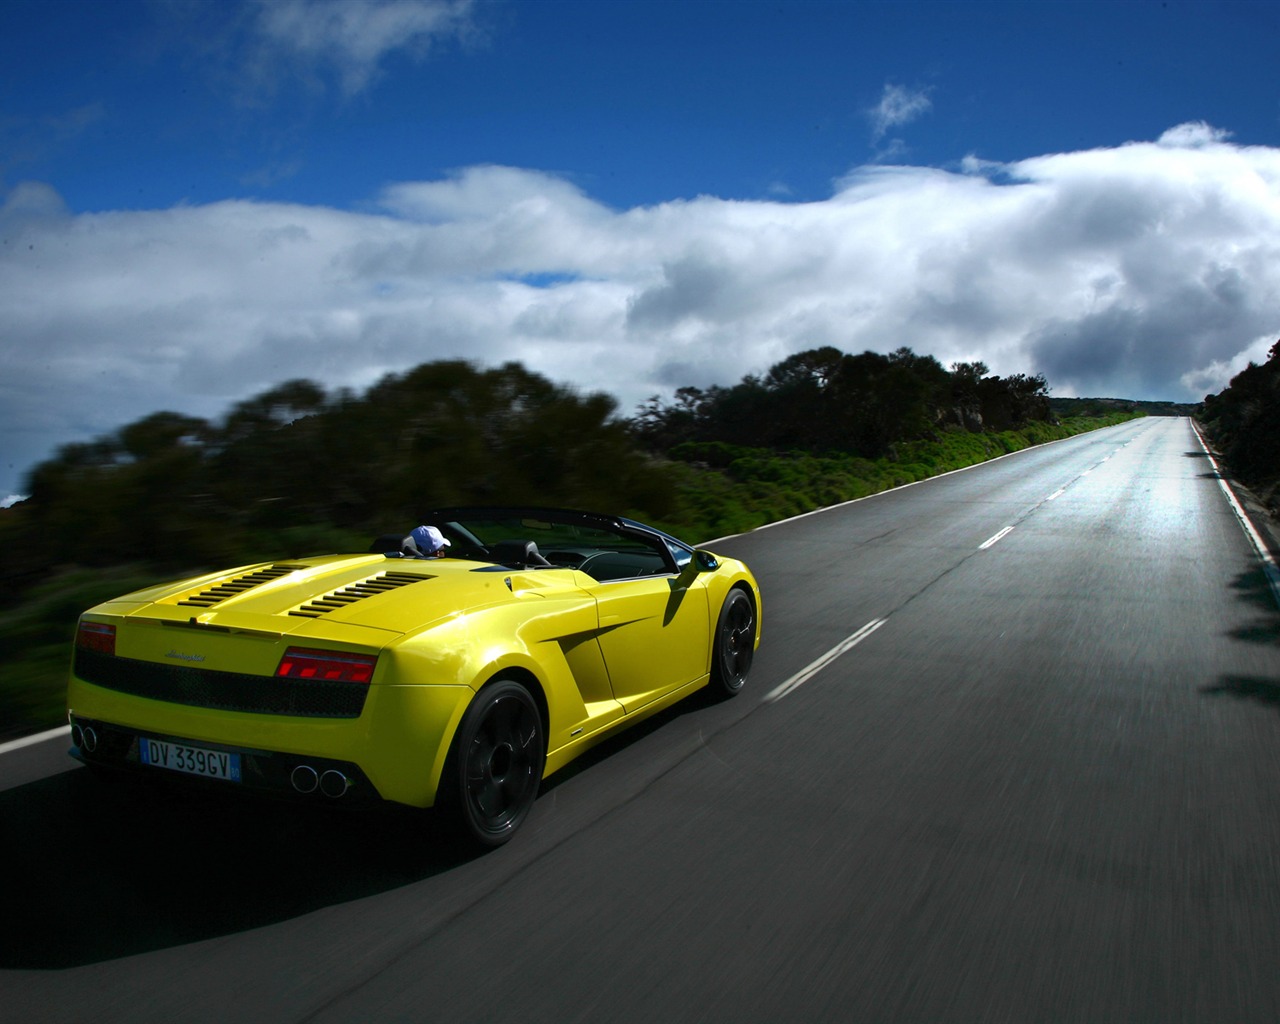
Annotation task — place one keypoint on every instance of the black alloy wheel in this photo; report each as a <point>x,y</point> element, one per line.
<point>497,763</point>
<point>734,641</point>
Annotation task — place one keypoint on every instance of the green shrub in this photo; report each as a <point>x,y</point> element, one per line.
<point>35,643</point>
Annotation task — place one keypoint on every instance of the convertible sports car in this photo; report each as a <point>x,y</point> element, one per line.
<point>457,678</point>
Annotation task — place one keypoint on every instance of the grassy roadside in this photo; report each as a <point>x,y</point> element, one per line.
<point>35,643</point>
<point>723,490</point>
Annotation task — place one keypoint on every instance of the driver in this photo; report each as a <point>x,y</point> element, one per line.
<point>426,542</point>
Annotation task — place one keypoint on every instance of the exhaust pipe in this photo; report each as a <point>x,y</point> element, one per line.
<point>77,735</point>
<point>333,784</point>
<point>304,779</point>
<point>90,739</point>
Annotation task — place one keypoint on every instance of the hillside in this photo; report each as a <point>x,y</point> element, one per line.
<point>1065,407</point>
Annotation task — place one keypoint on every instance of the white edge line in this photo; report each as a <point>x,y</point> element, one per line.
<point>31,741</point>
<point>1259,545</point>
<point>900,487</point>
<point>814,667</point>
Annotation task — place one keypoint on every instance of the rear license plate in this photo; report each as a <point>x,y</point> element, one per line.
<point>177,757</point>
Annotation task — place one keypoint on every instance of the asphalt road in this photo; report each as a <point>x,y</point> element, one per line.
<point>1032,774</point>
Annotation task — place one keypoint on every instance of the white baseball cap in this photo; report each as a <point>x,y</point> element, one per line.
<point>428,539</point>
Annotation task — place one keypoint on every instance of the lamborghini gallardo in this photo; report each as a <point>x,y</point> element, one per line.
<point>454,673</point>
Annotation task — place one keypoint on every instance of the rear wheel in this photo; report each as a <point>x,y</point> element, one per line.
<point>734,644</point>
<point>496,764</point>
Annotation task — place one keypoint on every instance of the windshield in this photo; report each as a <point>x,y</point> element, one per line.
<point>538,541</point>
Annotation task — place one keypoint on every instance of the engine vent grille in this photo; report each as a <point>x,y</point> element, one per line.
<point>371,587</point>
<point>214,595</point>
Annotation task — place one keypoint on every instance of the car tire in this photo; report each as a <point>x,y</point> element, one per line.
<point>733,646</point>
<point>495,766</point>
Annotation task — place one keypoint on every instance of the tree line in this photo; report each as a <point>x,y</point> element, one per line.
<point>298,470</point>
<point>825,400</point>
<point>1243,421</point>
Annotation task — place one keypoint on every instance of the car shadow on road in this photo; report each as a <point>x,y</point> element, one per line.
<point>101,868</point>
<point>105,868</point>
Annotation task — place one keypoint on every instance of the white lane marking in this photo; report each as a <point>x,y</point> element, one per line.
<point>30,741</point>
<point>1086,472</point>
<point>1056,494</point>
<point>992,540</point>
<point>814,667</point>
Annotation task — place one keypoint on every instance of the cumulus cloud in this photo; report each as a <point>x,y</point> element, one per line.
<point>1205,380</point>
<point>353,37</point>
<point>1193,134</point>
<point>1147,270</point>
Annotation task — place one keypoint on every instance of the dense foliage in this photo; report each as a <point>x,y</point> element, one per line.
<point>1244,423</point>
<point>295,471</point>
<point>826,401</point>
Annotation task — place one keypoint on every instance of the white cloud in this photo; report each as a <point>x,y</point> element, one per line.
<point>1193,134</point>
<point>898,106</point>
<point>1209,380</point>
<point>1142,271</point>
<point>354,36</point>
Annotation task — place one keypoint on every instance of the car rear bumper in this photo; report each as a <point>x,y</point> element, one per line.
<point>104,744</point>
<point>394,751</point>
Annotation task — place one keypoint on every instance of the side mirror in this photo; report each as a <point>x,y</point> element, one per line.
<point>707,562</point>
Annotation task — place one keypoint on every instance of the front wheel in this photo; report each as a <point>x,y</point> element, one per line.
<point>734,644</point>
<point>496,764</point>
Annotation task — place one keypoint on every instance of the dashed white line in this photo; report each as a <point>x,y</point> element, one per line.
<point>1056,494</point>
<point>992,540</point>
<point>814,667</point>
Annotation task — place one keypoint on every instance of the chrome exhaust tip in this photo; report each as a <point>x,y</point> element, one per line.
<point>90,738</point>
<point>304,779</point>
<point>77,735</point>
<point>333,784</point>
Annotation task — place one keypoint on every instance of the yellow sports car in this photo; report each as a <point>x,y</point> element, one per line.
<point>455,666</point>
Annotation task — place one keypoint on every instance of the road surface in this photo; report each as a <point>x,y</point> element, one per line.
<point>1010,751</point>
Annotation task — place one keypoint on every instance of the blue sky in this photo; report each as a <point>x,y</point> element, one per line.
<point>200,200</point>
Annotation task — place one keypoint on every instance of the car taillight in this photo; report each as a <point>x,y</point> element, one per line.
<point>96,636</point>
<point>300,663</point>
